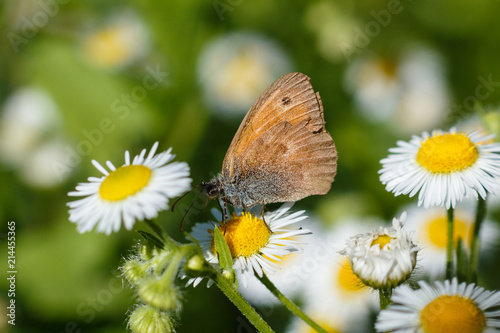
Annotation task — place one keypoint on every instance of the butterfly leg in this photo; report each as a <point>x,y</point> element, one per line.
<point>224,211</point>
<point>205,214</point>
<point>263,219</point>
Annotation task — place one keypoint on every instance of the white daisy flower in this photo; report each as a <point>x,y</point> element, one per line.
<point>431,227</point>
<point>444,167</point>
<point>445,307</point>
<point>383,258</point>
<point>256,245</point>
<point>473,122</point>
<point>234,69</point>
<point>409,92</point>
<point>136,190</point>
<point>487,123</point>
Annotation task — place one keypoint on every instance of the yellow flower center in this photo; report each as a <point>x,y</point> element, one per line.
<point>452,314</point>
<point>242,77</point>
<point>245,235</point>
<point>124,181</point>
<point>437,231</point>
<point>444,153</point>
<point>389,67</point>
<point>347,280</point>
<point>325,324</point>
<point>107,47</point>
<point>382,241</point>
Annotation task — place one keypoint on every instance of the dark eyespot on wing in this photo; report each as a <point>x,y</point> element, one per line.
<point>286,100</point>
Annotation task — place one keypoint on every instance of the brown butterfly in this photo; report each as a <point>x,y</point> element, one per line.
<point>281,151</point>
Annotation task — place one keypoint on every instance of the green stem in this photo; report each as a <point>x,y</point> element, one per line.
<point>173,262</point>
<point>449,247</point>
<point>289,304</point>
<point>385,298</point>
<point>474,250</point>
<point>246,309</point>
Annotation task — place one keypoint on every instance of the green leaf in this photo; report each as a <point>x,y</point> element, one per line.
<point>157,230</point>
<point>225,258</point>
<point>152,239</point>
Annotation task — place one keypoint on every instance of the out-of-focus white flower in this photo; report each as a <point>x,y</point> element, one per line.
<point>331,322</point>
<point>431,227</point>
<point>332,293</point>
<point>409,93</point>
<point>234,69</point>
<point>29,116</point>
<point>46,166</point>
<point>334,26</point>
<point>121,41</point>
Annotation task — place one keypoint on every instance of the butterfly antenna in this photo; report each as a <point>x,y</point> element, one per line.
<point>191,206</point>
<point>176,201</point>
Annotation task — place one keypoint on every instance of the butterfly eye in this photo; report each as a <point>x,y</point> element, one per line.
<point>210,189</point>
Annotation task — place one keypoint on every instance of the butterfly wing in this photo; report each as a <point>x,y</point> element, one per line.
<point>282,151</point>
<point>290,98</point>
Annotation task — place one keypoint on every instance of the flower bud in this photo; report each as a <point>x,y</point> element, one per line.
<point>160,293</point>
<point>147,319</point>
<point>147,251</point>
<point>135,270</point>
<point>383,258</point>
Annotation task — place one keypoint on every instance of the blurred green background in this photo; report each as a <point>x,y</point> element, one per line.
<point>83,80</point>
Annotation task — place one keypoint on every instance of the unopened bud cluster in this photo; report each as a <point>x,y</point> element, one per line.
<point>153,272</point>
